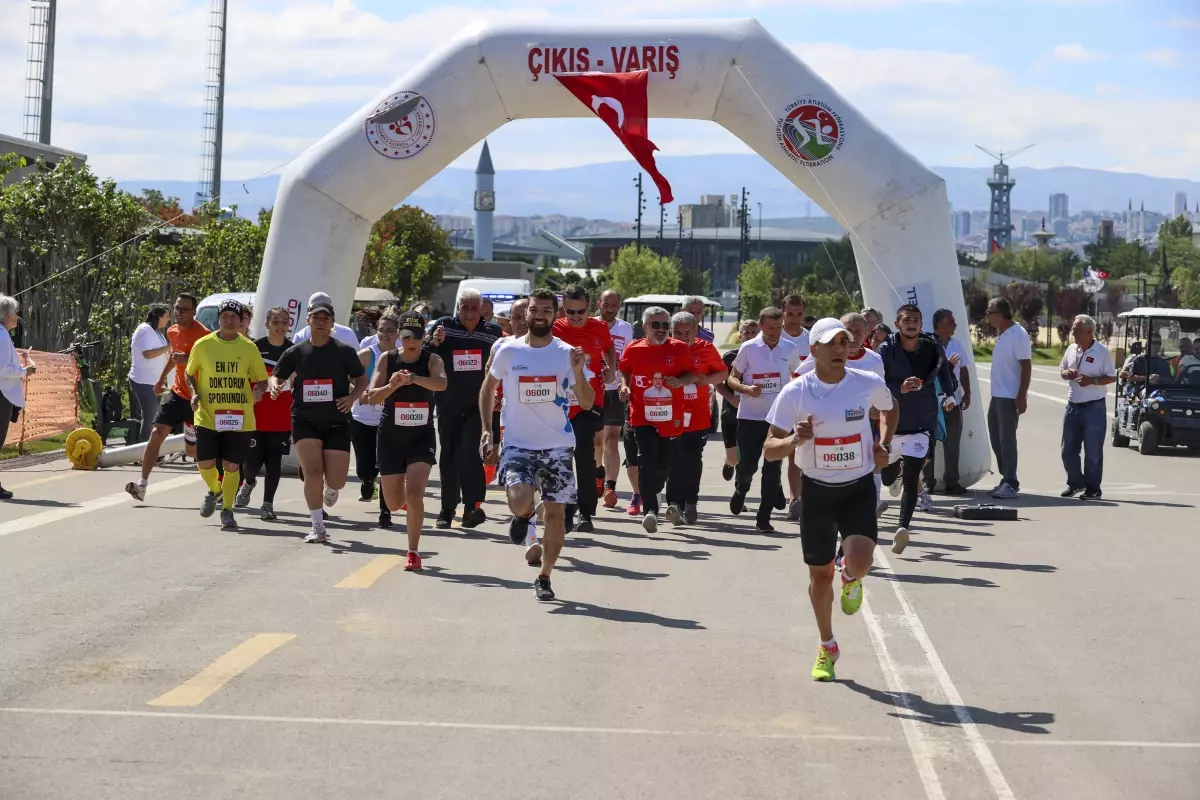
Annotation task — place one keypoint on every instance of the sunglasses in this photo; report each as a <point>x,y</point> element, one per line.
<point>575,312</point>
<point>660,326</point>
<point>184,308</point>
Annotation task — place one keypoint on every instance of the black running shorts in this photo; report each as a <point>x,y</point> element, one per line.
<point>830,509</point>
<point>333,435</point>
<point>229,446</point>
<point>396,452</point>
<point>274,441</point>
<point>729,426</point>
<point>613,414</point>
<point>174,411</point>
<point>631,448</point>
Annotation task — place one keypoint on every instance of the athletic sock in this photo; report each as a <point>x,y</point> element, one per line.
<point>317,519</point>
<point>830,645</point>
<point>878,486</point>
<point>143,482</point>
<point>599,473</point>
<point>611,485</point>
<point>212,479</point>
<point>229,487</point>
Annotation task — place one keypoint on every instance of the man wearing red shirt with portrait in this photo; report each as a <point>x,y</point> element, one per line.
<point>654,372</point>
<point>577,329</point>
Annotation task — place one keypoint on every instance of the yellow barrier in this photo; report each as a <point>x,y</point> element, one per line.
<point>51,400</point>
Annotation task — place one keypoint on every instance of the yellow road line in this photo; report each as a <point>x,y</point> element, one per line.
<point>366,575</point>
<point>209,680</point>
<point>58,476</point>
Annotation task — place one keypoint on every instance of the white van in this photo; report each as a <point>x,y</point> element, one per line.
<point>501,291</point>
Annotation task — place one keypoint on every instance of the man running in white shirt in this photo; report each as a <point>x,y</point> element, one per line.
<point>537,372</point>
<point>794,332</point>
<point>822,416</point>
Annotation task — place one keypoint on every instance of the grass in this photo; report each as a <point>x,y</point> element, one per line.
<point>52,443</point>
<point>1043,356</point>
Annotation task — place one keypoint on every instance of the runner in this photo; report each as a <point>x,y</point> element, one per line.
<point>824,414</point>
<point>683,484</point>
<point>730,399</point>
<point>464,343</point>
<point>613,415</point>
<point>272,438</point>
<point>795,332</point>
<point>226,376</point>
<point>329,378</point>
<point>920,377</point>
<point>538,372</point>
<point>654,371</point>
<point>694,305</point>
<point>405,380</point>
<point>365,417</point>
<point>176,409</point>
<point>592,336</point>
<point>342,333</point>
<point>761,368</point>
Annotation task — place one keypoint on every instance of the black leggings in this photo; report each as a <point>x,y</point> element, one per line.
<point>272,459</point>
<point>683,484</point>
<point>908,469</point>
<point>654,460</point>
<point>365,439</point>
<point>461,469</point>
<point>585,423</point>
<point>751,436</point>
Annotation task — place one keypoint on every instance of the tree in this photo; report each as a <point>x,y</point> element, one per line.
<point>1118,259</point>
<point>1180,226</point>
<point>1069,303</point>
<point>755,284</point>
<point>167,209</point>
<point>634,272</point>
<point>1027,302</point>
<point>976,300</point>
<point>407,253</point>
<point>696,282</point>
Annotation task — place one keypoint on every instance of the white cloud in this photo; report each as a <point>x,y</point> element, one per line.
<point>1075,52</point>
<point>1164,57</point>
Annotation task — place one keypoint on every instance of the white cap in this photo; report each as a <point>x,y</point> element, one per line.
<point>319,297</point>
<point>823,331</point>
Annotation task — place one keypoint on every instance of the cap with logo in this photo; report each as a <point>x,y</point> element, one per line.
<point>231,305</point>
<point>412,326</point>
<point>823,330</point>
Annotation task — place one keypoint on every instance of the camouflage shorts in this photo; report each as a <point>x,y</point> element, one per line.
<point>551,471</point>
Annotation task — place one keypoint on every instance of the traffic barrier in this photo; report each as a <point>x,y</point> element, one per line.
<point>51,400</point>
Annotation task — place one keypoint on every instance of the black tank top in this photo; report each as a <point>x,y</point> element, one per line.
<point>409,408</point>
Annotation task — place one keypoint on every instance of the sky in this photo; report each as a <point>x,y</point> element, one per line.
<point>1105,84</point>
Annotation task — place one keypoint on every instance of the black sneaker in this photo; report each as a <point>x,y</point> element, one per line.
<point>209,505</point>
<point>585,526</point>
<point>518,529</point>
<point>5,494</point>
<point>366,492</point>
<point>385,519</point>
<point>727,472</point>
<point>474,518</point>
<point>442,523</point>
<point>1091,494</point>
<point>690,514</point>
<point>1070,491</point>
<point>781,501</point>
<point>228,522</point>
<point>737,501</point>
<point>764,527</point>
<point>541,588</point>
<point>955,490</point>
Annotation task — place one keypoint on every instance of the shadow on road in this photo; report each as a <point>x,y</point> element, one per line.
<point>1053,501</point>
<point>942,558</point>
<point>482,581</point>
<point>946,715</point>
<point>588,568</point>
<point>24,501</point>
<point>574,609</point>
<point>974,583</point>
<point>685,555</point>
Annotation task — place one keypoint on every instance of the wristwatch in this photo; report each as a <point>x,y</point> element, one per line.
<point>887,446</point>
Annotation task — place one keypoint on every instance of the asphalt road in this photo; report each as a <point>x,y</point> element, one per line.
<point>146,654</point>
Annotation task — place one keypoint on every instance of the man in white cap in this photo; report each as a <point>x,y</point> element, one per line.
<point>341,332</point>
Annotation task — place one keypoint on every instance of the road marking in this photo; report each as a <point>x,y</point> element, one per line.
<point>469,726</point>
<point>210,679</point>
<point>55,477</point>
<point>366,575</point>
<point>58,514</point>
<point>910,622</point>
<point>1097,743</point>
<point>1061,400</point>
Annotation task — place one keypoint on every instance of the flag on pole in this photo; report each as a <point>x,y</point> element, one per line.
<point>619,100</point>
<point>996,248</point>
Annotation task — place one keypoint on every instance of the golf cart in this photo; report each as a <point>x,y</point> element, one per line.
<point>1158,395</point>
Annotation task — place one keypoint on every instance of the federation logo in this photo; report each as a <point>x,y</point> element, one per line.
<point>406,137</point>
<point>810,132</point>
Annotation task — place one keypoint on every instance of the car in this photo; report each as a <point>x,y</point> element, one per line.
<point>1158,391</point>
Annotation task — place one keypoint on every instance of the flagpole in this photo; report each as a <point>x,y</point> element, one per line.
<point>641,206</point>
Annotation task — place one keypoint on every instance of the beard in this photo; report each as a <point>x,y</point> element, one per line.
<point>540,329</point>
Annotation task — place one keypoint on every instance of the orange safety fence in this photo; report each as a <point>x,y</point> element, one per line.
<point>51,399</point>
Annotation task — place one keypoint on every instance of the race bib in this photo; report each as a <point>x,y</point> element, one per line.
<point>228,421</point>
<point>657,409</point>
<point>189,433</point>
<point>769,381</point>
<point>412,415</point>
<point>689,391</point>
<point>571,399</point>
<point>687,419</point>
<point>844,452</point>
<point>319,390</point>
<point>468,360</point>
<point>537,388</point>
<point>619,344</point>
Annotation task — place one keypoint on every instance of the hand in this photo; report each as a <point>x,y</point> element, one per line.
<point>159,387</point>
<point>804,430</point>
<point>966,401</point>
<point>873,413</point>
<point>1086,380</point>
<point>344,404</point>
<point>1022,404</point>
<point>31,369</point>
<point>955,360</point>
<point>911,385</point>
<point>623,393</point>
<point>260,389</point>
<point>406,377</point>
<point>578,358</point>
<point>179,357</point>
<point>1071,374</point>
<point>673,382</point>
<point>882,456</point>
<point>486,450</point>
<point>1124,374</point>
<point>948,404</point>
<point>439,335</point>
<point>753,390</point>
<point>276,387</point>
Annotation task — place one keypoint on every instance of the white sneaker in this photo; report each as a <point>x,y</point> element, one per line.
<point>1005,492</point>
<point>331,497</point>
<point>650,522</point>
<point>924,502</point>
<point>896,487</point>
<point>136,490</point>
<point>533,553</point>
<point>880,508</point>
<point>899,540</point>
<point>318,536</point>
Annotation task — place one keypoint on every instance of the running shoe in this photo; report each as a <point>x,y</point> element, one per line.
<point>242,499</point>
<point>209,505</point>
<point>519,528</point>
<point>331,497</point>
<point>366,492</point>
<point>442,522</point>
<point>764,527</point>
<point>955,490</point>
<point>794,510</point>
<point>268,513</point>
<point>585,526</point>
<point>881,507</point>
<point>899,540</point>
<point>650,522</point>
<point>690,514</point>
<point>1091,494</point>
<point>318,536</point>
<point>1005,492</point>
<point>385,519</point>
<point>852,595</point>
<point>673,515</point>
<point>599,487</point>
<point>924,502</point>
<point>1070,491</point>
<point>635,506</point>
<point>412,562</point>
<point>737,501</point>
<point>895,488</point>
<point>474,518</point>
<point>228,522</point>
<point>136,490</point>
<point>541,588</point>
<point>533,554</point>
<point>823,668</point>
<point>727,472</point>
<point>610,498</point>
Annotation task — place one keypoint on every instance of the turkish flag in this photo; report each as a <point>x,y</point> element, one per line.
<point>619,99</point>
<point>996,248</point>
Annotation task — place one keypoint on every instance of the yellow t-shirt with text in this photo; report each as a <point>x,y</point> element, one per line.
<point>225,372</point>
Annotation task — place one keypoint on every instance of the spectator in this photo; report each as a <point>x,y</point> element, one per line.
<point>12,372</point>
<point>694,305</point>
<point>1088,367</point>
<point>150,352</point>
<point>873,318</point>
<point>1149,367</point>
<point>879,335</point>
<point>945,325</point>
<point>1012,368</point>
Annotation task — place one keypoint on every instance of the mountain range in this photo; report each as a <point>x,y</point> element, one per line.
<point>605,191</point>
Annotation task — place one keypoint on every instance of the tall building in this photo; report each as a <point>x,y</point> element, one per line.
<point>1062,229</point>
<point>710,212</point>
<point>1000,209</point>
<point>485,204</point>
<point>962,224</point>
<point>1179,206</point>
<point>1058,207</point>
<point>1106,232</point>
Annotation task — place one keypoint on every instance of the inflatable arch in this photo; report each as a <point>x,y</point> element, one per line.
<point>731,72</point>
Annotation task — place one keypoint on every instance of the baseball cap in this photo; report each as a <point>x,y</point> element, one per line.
<point>325,306</point>
<point>412,326</point>
<point>823,330</point>
<point>319,297</point>
<point>231,305</point>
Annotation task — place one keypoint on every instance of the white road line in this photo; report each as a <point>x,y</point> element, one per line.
<point>471,726</point>
<point>58,514</point>
<point>1096,743</point>
<point>1061,400</point>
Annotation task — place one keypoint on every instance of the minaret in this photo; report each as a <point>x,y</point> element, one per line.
<point>485,204</point>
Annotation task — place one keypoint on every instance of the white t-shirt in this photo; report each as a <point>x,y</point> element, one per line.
<point>340,332</point>
<point>869,361</point>
<point>368,414</point>
<point>800,341</point>
<point>147,370</point>
<point>764,366</point>
<point>1012,347</point>
<point>622,334</point>
<point>842,448</point>
<point>1095,362</point>
<point>535,380</point>
<point>956,347</point>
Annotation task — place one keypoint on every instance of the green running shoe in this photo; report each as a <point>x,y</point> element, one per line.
<point>823,668</point>
<point>852,596</point>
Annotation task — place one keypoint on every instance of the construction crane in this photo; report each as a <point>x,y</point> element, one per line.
<point>1000,225</point>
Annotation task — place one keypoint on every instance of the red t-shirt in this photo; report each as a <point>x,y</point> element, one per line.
<point>182,341</point>
<point>593,336</point>
<point>273,416</point>
<point>697,413</point>
<point>651,402</point>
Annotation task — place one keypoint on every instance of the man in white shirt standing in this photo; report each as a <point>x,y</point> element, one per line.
<point>945,325</point>
<point>1012,368</point>
<point>342,333</point>
<point>1088,368</point>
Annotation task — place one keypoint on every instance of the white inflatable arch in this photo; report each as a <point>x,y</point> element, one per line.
<point>731,72</point>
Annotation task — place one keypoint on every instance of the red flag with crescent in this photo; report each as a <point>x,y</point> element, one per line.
<point>619,100</point>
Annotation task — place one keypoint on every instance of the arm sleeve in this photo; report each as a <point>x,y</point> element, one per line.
<point>258,368</point>
<point>499,363</point>
<point>945,372</point>
<point>1062,364</point>
<point>739,361</point>
<point>1110,369</point>
<point>193,362</point>
<point>1024,349</point>
<point>715,362</point>
<point>10,363</point>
